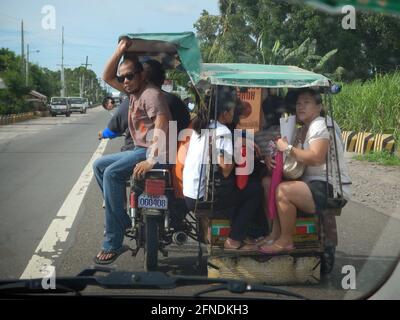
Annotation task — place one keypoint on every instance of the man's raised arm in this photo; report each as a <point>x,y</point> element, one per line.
<point>110,71</point>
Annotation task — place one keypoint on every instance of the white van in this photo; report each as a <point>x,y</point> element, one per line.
<point>78,104</point>
<point>60,105</point>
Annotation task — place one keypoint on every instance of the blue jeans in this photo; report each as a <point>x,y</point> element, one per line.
<point>111,172</point>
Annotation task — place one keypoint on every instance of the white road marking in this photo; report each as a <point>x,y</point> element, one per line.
<point>49,247</point>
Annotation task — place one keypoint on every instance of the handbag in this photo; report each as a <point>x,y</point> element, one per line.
<point>293,169</point>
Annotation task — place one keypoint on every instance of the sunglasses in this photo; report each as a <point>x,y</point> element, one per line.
<point>129,76</point>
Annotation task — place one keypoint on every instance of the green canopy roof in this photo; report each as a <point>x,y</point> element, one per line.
<point>176,47</point>
<point>260,75</point>
<point>385,6</point>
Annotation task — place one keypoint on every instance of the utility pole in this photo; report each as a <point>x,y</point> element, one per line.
<point>83,78</point>
<point>62,65</point>
<point>27,63</point>
<point>91,92</point>
<point>22,48</point>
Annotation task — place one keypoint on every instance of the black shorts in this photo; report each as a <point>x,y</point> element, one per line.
<point>319,194</point>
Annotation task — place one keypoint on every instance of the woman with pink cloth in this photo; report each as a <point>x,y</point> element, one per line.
<point>309,194</point>
<point>274,163</point>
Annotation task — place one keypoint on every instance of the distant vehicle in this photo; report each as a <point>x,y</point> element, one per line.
<point>60,105</point>
<point>78,104</point>
<point>86,102</point>
<point>117,98</point>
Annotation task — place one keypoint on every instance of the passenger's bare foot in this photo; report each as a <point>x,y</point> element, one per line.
<point>266,240</point>
<point>279,246</point>
<point>234,245</point>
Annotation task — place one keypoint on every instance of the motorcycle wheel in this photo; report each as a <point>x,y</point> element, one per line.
<point>151,243</point>
<point>328,260</point>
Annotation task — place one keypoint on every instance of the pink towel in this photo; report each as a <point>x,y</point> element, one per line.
<point>275,181</point>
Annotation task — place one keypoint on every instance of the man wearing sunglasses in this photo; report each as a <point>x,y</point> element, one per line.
<point>148,110</point>
<point>118,124</point>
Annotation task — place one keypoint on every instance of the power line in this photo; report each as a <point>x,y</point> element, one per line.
<point>10,17</point>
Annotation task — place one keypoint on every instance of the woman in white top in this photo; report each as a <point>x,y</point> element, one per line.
<point>310,194</point>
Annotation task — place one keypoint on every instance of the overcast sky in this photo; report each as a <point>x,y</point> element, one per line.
<point>91,27</point>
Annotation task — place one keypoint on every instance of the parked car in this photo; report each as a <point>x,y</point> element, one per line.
<point>60,105</point>
<point>78,104</point>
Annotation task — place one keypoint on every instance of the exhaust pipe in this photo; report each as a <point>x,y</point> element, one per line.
<point>179,238</point>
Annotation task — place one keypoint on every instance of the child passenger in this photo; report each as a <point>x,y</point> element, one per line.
<point>245,203</point>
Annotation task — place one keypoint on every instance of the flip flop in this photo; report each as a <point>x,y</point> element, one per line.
<point>242,247</point>
<point>114,255</point>
<point>276,249</point>
<point>264,241</point>
<point>253,241</point>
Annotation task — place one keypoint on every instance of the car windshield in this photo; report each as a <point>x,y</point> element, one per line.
<point>57,101</point>
<point>288,172</point>
<point>75,100</point>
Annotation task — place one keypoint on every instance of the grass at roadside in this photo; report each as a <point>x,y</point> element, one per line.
<point>372,106</point>
<point>382,157</point>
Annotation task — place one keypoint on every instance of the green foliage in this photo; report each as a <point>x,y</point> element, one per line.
<point>43,80</point>
<point>281,27</point>
<point>207,27</point>
<point>179,78</point>
<point>303,56</point>
<point>382,157</point>
<point>11,99</point>
<point>225,38</point>
<point>373,105</point>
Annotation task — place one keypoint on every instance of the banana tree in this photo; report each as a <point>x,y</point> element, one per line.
<point>303,56</point>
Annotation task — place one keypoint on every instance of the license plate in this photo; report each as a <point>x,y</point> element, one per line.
<point>153,202</point>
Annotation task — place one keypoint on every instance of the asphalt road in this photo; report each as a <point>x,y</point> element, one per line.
<point>40,161</point>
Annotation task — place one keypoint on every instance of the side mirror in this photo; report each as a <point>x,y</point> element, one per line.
<point>336,88</point>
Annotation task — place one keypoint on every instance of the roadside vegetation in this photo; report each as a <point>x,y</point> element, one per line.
<point>43,80</point>
<point>382,157</point>
<point>372,105</point>
<point>365,60</point>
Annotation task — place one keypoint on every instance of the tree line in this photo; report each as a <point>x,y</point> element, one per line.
<point>42,80</point>
<point>278,32</point>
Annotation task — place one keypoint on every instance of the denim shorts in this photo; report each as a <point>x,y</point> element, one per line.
<point>319,193</point>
